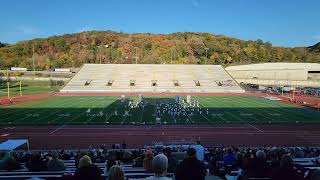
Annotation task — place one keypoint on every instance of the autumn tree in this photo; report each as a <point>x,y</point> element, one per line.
<point>73,50</point>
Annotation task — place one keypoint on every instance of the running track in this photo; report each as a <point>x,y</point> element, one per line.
<point>72,137</point>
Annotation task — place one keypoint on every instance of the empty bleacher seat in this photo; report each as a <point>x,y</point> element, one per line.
<point>163,78</point>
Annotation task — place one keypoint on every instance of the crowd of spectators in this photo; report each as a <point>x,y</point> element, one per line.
<point>273,162</point>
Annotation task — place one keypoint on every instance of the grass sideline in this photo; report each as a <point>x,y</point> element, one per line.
<point>110,110</point>
<point>26,90</point>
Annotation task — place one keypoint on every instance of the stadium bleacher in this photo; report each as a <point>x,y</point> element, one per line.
<point>152,78</point>
<point>304,165</point>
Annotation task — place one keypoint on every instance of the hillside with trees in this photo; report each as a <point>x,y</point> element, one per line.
<point>73,50</point>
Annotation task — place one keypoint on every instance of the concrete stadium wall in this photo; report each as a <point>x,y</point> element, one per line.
<point>280,74</point>
<point>280,82</point>
<point>270,74</point>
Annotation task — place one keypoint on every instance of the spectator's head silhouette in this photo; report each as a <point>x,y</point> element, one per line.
<point>85,161</point>
<point>160,165</point>
<point>261,154</point>
<point>286,162</point>
<point>191,152</point>
<point>55,155</point>
<point>116,173</point>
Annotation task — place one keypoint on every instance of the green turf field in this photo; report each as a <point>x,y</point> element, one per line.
<point>15,90</point>
<point>110,110</point>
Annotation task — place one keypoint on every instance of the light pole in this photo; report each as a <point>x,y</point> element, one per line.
<point>136,54</point>
<point>8,85</point>
<point>34,69</point>
<point>206,54</point>
<point>173,54</point>
<point>99,48</point>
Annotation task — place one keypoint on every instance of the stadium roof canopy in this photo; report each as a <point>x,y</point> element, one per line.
<point>11,145</point>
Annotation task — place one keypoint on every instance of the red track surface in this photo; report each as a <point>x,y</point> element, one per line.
<point>4,101</point>
<point>137,136</point>
<point>53,137</point>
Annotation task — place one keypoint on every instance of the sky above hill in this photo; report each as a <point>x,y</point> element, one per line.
<point>289,23</point>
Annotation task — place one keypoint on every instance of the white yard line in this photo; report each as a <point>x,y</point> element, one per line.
<point>62,126</point>
<point>36,110</point>
<point>90,119</point>
<point>63,109</point>
<point>205,99</point>
<point>244,121</point>
<point>301,115</point>
<point>255,127</point>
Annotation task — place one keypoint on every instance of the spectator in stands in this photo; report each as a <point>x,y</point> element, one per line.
<point>159,166</point>
<point>238,163</point>
<point>55,164</point>
<point>124,145</point>
<point>286,170</point>
<point>117,146</point>
<point>212,160</point>
<point>276,155</point>
<point>78,157</point>
<point>172,162</point>
<point>257,166</point>
<point>36,163</point>
<point>65,155</point>
<point>126,157</point>
<point>8,162</point>
<point>99,158</point>
<point>200,151</point>
<point>138,162</point>
<point>298,153</point>
<point>147,161</point>
<point>111,162</point>
<point>315,175</point>
<point>191,168</point>
<point>86,170</point>
<point>229,158</point>
<point>116,173</point>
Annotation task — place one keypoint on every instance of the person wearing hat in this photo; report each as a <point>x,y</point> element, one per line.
<point>190,168</point>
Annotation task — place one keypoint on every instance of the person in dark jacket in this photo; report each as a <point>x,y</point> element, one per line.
<point>36,163</point>
<point>286,170</point>
<point>172,162</point>
<point>191,168</point>
<point>258,166</point>
<point>229,158</point>
<point>87,170</point>
<point>8,162</point>
<point>55,164</point>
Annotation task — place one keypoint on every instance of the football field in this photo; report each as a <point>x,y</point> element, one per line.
<point>72,110</point>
